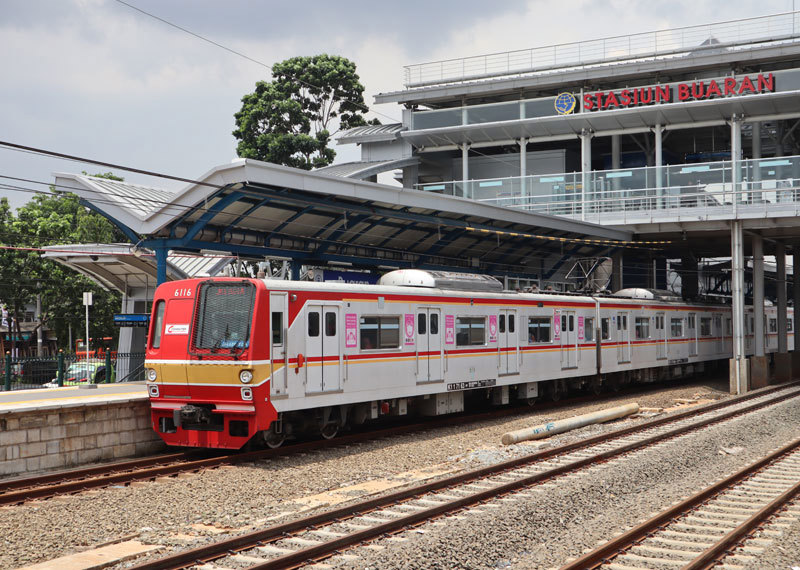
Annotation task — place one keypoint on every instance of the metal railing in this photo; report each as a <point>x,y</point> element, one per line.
<point>70,370</point>
<point>768,184</point>
<point>691,39</point>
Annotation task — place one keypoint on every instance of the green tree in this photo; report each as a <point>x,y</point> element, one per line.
<point>288,120</point>
<point>53,220</point>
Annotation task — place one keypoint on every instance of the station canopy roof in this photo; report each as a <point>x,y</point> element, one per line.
<point>255,209</point>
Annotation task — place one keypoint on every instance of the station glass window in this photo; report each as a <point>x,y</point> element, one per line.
<point>158,324</point>
<point>330,324</point>
<point>434,323</point>
<point>277,327</point>
<point>539,329</point>
<point>313,323</point>
<point>676,328</point>
<point>605,328</point>
<point>642,327</point>
<point>588,329</point>
<point>422,323</point>
<point>470,331</point>
<point>379,332</point>
<point>773,325</point>
<point>705,326</point>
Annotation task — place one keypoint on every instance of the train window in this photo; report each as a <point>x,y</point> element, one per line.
<point>158,325</point>
<point>588,328</point>
<point>502,326</point>
<point>379,332</point>
<point>539,329</point>
<point>773,325</point>
<point>788,325</point>
<point>642,327</point>
<point>605,331</point>
<point>421,322</point>
<point>511,323</point>
<point>571,323</point>
<point>564,323</point>
<point>434,323</point>
<point>752,325</point>
<point>330,324</point>
<point>470,331</point>
<point>277,327</point>
<point>659,322</point>
<point>728,327</point>
<point>676,327</point>
<point>705,326</point>
<point>313,323</point>
<point>690,322</point>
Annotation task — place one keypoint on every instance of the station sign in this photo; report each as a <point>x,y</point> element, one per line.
<point>132,319</point>
<point>353,277</point>
<point>678,92</point>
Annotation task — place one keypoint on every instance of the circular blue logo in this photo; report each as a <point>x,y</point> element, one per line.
<point>565,103</point>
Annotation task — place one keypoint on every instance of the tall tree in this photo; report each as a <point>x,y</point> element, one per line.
<point>288,120</point>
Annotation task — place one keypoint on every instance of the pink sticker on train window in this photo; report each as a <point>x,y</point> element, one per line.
<point>492,328</point>
<point>556,324</point>
<point>408,330</point>
<point>449,329</point>
<point>580,328</point>
<point>350,330</point>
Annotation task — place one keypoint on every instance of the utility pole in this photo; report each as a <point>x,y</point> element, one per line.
<point>87,301</point>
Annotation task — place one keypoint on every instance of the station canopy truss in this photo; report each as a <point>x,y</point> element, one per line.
<point>256,210</point>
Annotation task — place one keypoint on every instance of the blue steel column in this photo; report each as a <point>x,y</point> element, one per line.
<point>294,270</point>
<point>161,265</point>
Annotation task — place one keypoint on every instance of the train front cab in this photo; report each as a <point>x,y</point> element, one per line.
<point>207,368</point>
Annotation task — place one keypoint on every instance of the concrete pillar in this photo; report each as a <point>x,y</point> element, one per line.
<point>690,280</point>
<point>465,170</point>
<point>411,176</point>
<point>586,168</point>
<point>756,140</point>
<point>739,381</point>
<point>523,170</point>
<point>736,158</point>
<point>755,182</point>
<point>616,271</point>
<point>659,162</point>
<point>783,360</point>
<point>759,363</point>
<point>616,162</point>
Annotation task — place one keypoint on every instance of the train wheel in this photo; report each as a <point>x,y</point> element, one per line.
<point>556,391</point>
<point>329,430</point>
<point>531,401</point>
<point>274,440</point>
<point>596,386</point>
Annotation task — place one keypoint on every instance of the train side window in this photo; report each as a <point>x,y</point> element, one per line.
<point>313,323</point>
<point>571,323</point>
<point>511,323</point>
<point>277,327</point>
<point>502,325</point>
<point>421,324</point>
<point>705,326</point>
<point>690,322</point>
<point>773,325</point>
<point>728,327</point>
<point>379,332</point>
<point>676,327</point>
<point>539,329</point>
<point>563,322</point>
<point>588,328</point>
<point>642,327</point>
<point>434,323</point>
<point>158,323</point>
<point>470,331</point>
<point>605,330</point>
<point>330,324</point>
<point>789,325</point>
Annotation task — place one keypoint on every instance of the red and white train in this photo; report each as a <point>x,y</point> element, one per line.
<point>231,359</point>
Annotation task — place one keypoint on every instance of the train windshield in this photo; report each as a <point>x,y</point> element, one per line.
<point>223,318</point>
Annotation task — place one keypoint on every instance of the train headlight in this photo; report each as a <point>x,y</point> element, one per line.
<point>246,376</point>
<point>151,375</point>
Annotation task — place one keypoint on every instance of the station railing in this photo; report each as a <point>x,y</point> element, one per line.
<point>687,40</point>
<point>765,186</point>
<point>71,370</point>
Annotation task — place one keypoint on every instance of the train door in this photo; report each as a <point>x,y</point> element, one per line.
<point>661,337</point>
<point>691,334</point>
<point>279,330</point>
<point>569,352</point>
<point>623,338</point>
<point>429,345</point>
<point>323,352</point>
<point>508,345</point>
<point>719,333</point>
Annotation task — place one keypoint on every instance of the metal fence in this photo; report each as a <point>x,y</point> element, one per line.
<point>70,370</point>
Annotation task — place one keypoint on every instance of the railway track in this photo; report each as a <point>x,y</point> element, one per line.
<point>317,537</point>
<point>21,490</point>
<point>709,528</point>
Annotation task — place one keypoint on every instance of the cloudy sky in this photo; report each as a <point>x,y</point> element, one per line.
<point>98,79</point>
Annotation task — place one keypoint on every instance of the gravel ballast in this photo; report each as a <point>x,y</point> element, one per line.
<point>169,512</point>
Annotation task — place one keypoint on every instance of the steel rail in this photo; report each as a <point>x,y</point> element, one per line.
<point>222,548</point>
<point>629,539</point>
<point>19,490</point>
